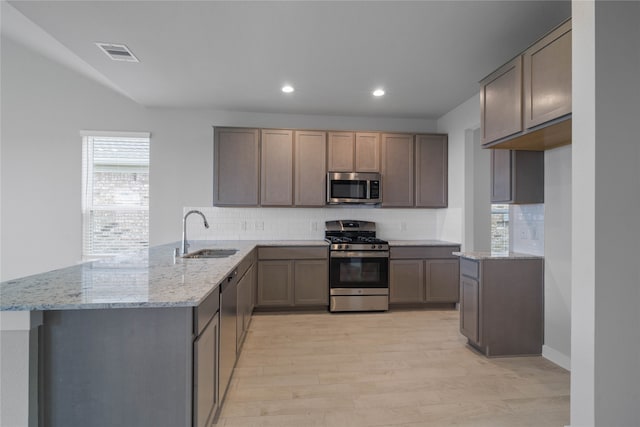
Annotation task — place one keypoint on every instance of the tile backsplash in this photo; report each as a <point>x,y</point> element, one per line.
<point>308,223</point>
<point>526,230</point>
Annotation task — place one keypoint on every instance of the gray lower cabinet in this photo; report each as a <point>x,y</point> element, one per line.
<point>423,274</point>
<point>311,282</point>
<point>155,367</point>
<point>501,305</point>
<point>236,162</point>
<point>275,283</point>
<point>245,305</point>
<point>205,374</point>
<point>517,176</point>
<point>293,276</point>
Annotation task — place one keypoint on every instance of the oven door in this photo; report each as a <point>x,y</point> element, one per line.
<point>356,270</point>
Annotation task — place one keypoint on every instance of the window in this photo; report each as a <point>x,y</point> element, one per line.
<point>115,193</point>
<point>499,228</point>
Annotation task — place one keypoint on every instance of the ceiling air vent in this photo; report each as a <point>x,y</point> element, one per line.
<point>117,52</point>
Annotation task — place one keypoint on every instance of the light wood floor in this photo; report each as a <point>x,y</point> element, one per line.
<point>400,368</point>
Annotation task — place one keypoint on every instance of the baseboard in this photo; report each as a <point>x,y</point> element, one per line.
<point>556,357</point>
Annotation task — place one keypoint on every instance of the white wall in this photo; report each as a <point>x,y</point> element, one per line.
<point>459,123</point>
<point>45,105</point>
<point>605,298</point>
<point>557,252</point>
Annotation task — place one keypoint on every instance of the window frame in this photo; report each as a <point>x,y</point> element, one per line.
<point>88,207</point>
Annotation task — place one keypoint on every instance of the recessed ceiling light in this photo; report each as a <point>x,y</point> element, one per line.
<point>287,88</point>
<point>378,92</point>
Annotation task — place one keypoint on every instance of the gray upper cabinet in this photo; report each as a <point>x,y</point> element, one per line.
<point>236,166</point>
<point>354,152</point>
<point>310,168</point>
<point>276,181</point>
<point>341,151</point>
<point>397,170</point>
<point>367,152</point>
<point>517,176</point>
<point>526,103</point>
<point>431,162</point>
<point>547,77</point>
<point>501,102</point>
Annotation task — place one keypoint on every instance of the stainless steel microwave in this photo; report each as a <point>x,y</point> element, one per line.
<point>355,187</point>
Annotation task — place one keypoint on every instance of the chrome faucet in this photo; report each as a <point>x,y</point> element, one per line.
<point>185,244</point>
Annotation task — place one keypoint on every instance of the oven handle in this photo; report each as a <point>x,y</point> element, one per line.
<point>359,254</point>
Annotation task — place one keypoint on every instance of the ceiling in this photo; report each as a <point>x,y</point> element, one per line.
<point>236,55</point>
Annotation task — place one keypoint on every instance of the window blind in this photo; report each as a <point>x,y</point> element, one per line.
<point>115,207</point>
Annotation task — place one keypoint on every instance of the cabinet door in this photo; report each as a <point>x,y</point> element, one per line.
<point>277,168</point>
<point>244,306</point>
<point>432,162</point>
<point>275,283</point>
<point>397,170</point>
<point>406,280</point>
<point>341,152</point>
<point>500,176</point>
<point>442,280</point>
<point>517,176</point>
<point>311,279</point>
<point>205,374</point>
<point>310,168</point>
<point>547,77</point>
<point>367,155</point>
<point>501,102</point>
<point>236,165</point>
<point>470,309</point>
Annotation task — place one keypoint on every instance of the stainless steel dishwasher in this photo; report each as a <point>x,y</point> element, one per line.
<point>228,314</point>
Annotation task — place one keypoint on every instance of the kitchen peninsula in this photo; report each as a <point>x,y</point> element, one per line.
<point>137,339</point>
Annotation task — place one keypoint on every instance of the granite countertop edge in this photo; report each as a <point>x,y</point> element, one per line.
<point>152,278</point>
<point>481,255</point>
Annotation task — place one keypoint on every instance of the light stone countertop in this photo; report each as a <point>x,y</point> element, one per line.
<point>421,243</point>
<point>480,255</point>
<point>148,278</point>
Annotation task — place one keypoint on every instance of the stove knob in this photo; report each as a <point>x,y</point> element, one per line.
<point>373,246</point>
<point>379,246</point>
<point>346,246</point>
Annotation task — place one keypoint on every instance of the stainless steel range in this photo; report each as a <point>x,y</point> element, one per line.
<point>358,267</point>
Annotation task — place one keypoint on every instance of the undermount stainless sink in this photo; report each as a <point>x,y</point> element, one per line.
<point>211,253</point>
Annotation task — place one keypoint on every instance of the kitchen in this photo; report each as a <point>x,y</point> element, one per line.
<point>43,208</point>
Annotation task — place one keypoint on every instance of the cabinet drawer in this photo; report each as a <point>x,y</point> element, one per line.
<point>469,268</point>
<point>422,252</point>
<point>205,311</point>
<point>293,252</point>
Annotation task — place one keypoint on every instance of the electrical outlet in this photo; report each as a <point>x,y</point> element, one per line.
<point>243,225</point>
<point>314,226</point>
<point>403,226</point>
<point>259,225</point>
